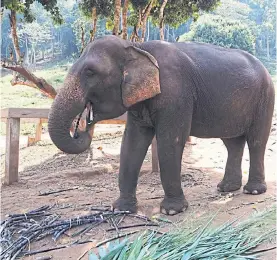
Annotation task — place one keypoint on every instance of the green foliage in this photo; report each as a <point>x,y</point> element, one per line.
<point>77,26</point>
<point>217,30</point>
<point>5,34</point>
<point>132,19</point>
<point>263,13</point>
<point>14,5</point>
<point>234,10</point>
<point>24,7</point>
<point>231,240</point>
<point>65,41</point>
<point>136,5</point>
<point>139,3</point>
<point>104,8</point>
<point>179,11</point>
<point>63,34</point>
<point>109,24</point>
<point>35,33</point>
<point>83,15</point>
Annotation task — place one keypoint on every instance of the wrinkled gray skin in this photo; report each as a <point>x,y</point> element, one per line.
<point>200,90</point>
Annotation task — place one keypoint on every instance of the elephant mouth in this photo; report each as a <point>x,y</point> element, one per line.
<point>89,116</point>
<point>89,119</point>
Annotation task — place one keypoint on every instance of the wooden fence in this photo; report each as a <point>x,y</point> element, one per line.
<point>14,116</point>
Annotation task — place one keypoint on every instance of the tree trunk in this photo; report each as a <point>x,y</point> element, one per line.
<point>120,21</point>
<point>12,17</point>
<point>161,20</point>
<point>154,33</point>
<point>173,34</point>
<point>52,49</point>
<point>82,40</point>
<point>1,14</point>
<point>267,46</point>
<point>117,6</point>
<point>148,30</point>
<point>124,20</point>
<point>135,37</point>
<point>139,22</point>
<point>144,20</point>
<point>35,59</point>
<point>94,24</point>
<point>26,56</point>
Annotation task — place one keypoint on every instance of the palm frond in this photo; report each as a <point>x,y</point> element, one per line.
<point>232,240</point>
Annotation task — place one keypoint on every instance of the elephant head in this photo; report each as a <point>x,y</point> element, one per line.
<point>110,76</point>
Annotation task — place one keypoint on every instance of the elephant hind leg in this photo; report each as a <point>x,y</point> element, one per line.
<point>256,181</point>
<point>257,138</point>
<point>232,177</point>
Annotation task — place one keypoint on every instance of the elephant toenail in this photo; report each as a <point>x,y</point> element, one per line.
<point>172,212</point>
<point>255,192</point>
<point>163,211</point>
<point>246,191</point>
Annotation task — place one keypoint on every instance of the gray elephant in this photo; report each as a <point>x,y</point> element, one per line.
<point>171,90</point>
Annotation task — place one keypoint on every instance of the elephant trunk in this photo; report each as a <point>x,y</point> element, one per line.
<point>67,105</point>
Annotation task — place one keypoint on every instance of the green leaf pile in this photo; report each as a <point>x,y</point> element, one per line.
<point>232,240</point>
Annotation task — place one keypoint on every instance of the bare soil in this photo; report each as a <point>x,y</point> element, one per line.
<point>94,174</point>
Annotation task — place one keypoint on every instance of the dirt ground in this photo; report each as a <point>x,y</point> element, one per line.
<point>94,175</point>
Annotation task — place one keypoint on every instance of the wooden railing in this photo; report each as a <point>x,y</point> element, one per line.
<point>13,117</point>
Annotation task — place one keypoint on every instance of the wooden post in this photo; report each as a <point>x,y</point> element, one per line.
<point>12,150</point>
<point>38,131</point>
<point>33,140</point>
<point>155,159</point>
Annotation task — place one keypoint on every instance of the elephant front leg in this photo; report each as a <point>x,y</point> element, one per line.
<point>135,143</point>
<point>170,151</point>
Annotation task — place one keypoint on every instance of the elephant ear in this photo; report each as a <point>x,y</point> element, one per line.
<point>141,77</point>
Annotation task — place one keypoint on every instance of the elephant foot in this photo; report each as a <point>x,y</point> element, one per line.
<point>227,186</point>
<point>125,204</point>
<point>254,188</point>
<point>173,206</point>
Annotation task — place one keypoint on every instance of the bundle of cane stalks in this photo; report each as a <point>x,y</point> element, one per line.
<point>18,231</point>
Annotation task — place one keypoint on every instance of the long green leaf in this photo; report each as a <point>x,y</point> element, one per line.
<point>232,240</point>
<point>115,250</point>
<point>136,248</point>
<point>191,249</point>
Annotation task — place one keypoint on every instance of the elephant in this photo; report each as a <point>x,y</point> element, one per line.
<point>171,91</point>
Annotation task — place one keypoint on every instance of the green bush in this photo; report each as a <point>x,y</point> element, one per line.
<point>217,30</point>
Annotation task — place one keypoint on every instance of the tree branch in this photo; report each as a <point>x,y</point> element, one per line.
<point>145,16</point>
<point>31,79</point>
<point>161,19</point>
<point>82,39</point>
